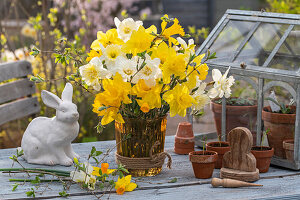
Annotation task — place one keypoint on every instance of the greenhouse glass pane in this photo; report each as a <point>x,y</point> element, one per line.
<point>230,38</point>
<point>288,55</point>
<point>261,44</point>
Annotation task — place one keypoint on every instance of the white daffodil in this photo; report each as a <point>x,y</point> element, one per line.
<point>200,97</point>
<point>110,55</point>
<point>20,54</point>
<point>150,72</point>
<point>92,72</point>
<point>29,31</point>
<point>125,67</point>
<point>126,27</point>
<point>222,84</point>
<point>78,176</point>
<point>8,56</point>
<point>84,176</point>
<point>189,49</point>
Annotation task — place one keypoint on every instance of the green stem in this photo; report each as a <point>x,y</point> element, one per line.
<point>41,180</point>
<point>60,172</point>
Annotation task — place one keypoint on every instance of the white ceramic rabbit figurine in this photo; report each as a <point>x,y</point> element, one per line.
<point>48,140</point>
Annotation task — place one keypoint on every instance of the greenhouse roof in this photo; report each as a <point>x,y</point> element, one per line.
<point>267,43</point>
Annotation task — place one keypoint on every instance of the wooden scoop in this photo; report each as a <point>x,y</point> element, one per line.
<point>231,183</point>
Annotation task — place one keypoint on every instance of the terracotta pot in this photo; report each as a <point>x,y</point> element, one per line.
<point>203,163</point>
<point>263,157</point>
<point>236,116</point>
<point>288,146</point>
<point>221,148</point>
<point>281,126</point>
<point>185,130</point>
<point>184,138</point>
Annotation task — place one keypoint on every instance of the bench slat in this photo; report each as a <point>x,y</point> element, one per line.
<point>14,70</point>
<point>16,90</point>
<point>18,109</point>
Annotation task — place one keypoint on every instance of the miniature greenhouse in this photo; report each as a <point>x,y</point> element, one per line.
<point>262,49</point>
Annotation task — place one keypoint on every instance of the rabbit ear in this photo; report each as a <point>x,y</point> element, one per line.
<point>50,99</point>
<point>67,93</point>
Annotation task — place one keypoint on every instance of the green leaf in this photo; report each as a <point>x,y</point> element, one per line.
<point>212,56</point>
<point>34,52</point>
<point>174,180</point>
<point>142,55</point>
<point>63,194</point>
<point>129,56</point>
<point>111,182</point>
<point>15,186</point>
<point>31,193</point>
<point>98,153</point>
<point>37,180</point>
<point>96,160</point>
<point>93,150</point>
<point>101,186</point>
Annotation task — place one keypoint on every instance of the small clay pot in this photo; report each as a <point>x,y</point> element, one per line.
<point>184,138</point>
<point>263,157</point>
<point>281,126</point>
<point>185,130</point>
<point>221,148</point>
<point>288,146</point>
<point>203,163</point>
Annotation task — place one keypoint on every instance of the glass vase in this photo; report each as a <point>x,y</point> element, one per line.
<point>135,138</point>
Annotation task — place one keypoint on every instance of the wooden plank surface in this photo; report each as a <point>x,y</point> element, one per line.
<point>17,89</point>
<point>277,182</point>
<point>18,109</point>
<point>14,70</point>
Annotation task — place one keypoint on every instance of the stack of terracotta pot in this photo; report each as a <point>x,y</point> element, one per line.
<point>184,138</point>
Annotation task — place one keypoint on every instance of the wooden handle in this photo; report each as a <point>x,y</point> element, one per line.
<point>231,183</point>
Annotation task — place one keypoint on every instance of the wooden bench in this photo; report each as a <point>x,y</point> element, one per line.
<point>16,99</point>
<point>15,96</point>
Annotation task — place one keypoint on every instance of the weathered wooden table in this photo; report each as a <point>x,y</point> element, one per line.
<point>278,183</point>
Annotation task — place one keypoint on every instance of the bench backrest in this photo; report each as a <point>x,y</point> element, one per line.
<point>15,96</point>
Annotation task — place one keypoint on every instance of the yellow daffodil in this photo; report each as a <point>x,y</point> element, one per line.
<point>145,107</point>
<point>174,29</point>
<point>150,95</point>
<point>93,54</point>
<point>116,91</point>
<point>163,51</point>
<point>174,64</point>
<point>139,41</point>
<point>108,38</point>
<point>104,169</point>
<point>199,72</point>
<point>179,100</point>
<point>124,185</point>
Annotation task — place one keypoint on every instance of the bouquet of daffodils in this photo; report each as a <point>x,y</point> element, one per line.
<point>142,73</point>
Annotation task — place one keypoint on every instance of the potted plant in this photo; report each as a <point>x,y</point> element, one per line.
<point>281,125</point>
<point>140,75</point>
<point>221,148</point>
<point>263,155</point>
<point>203,163</point>
<point>240,112</point>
